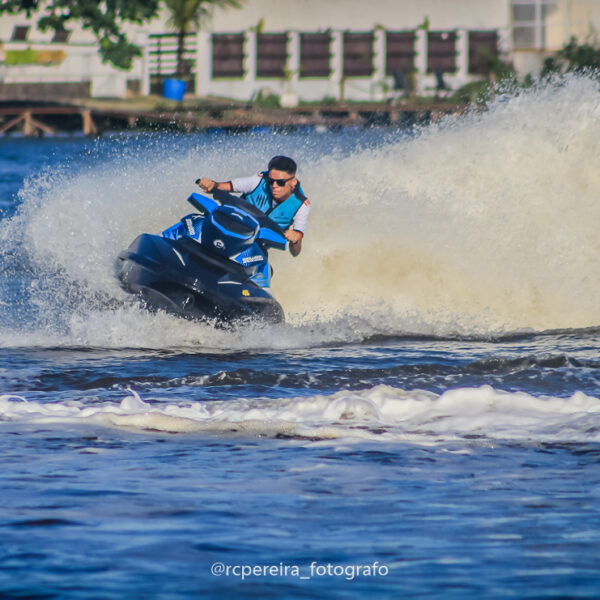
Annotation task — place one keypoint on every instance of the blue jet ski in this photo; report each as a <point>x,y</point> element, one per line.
<point>213,264</point>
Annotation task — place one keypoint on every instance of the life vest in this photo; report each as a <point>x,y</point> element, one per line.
<point>283,214</point>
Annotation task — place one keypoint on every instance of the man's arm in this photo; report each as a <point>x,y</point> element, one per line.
<point>295,239</point>
<point>242,185</point>
<point>295,233</point>
<point>208,185</point>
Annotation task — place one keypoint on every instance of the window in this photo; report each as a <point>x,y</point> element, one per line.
<point>271,54</point>
<point>524,37</point>
<point>315,54</point>
<point>399,52</point>
<point>358,54</point>
<point>524,13</point>
<point>61,37</point>
<point>227,54</point>
<point>441,52</point>
<point>525,25</point>
<point>20,33</point>
<point>483,46</point>
<point>536,24</point>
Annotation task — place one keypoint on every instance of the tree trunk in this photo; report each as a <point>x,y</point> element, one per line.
<point>180,50</point>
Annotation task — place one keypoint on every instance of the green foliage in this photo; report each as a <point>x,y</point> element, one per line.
<point>104,18</point>
<point>501,75</point>
<point>329,101</point>
<point>495,66</point>
<point>20,57</point>
<point>424,25</point>
<point>33,57</point>
<point>187,15</point>
<point>573,57</point>
<point>259,27</point>
<point>550,67</point>
<point>266,99</point>
<point>476,92</point>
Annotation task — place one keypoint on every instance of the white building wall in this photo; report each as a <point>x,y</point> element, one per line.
<point>311,15</point>
<point>294,17</point>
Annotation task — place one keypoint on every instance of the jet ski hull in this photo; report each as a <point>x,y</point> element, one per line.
<point>183,278</point>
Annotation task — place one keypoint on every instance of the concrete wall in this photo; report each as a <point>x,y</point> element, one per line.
<point>46,92</point>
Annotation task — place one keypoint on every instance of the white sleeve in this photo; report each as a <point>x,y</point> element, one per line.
<point>299,222</point>
<point>245,185</point>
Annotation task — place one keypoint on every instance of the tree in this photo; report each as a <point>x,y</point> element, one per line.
<point>186,15</point>
<point>104,18</point>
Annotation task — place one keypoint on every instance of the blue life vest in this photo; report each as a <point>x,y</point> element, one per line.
<point>283,214</point>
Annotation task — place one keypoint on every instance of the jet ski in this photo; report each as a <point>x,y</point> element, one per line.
<point>212,265</point>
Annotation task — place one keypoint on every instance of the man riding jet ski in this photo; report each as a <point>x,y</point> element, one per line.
<point>214,264</point>
<point>277,193</point>
<point>211,265</point>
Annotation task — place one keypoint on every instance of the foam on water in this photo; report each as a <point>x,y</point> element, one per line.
<point>381,413</point>
<point>478,225</point>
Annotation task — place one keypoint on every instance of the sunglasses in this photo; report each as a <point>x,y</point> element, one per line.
<point>279,182</point>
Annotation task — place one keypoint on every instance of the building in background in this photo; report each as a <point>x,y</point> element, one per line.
<point>305,50</point>
<point>539,27</point>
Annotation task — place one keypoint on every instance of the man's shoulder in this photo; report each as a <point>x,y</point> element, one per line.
<point>246,184</point>
<point>300,194</point>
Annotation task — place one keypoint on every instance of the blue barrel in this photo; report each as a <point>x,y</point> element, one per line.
<point>174,89</point>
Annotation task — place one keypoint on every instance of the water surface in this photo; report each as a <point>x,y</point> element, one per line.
<point>425,424</point>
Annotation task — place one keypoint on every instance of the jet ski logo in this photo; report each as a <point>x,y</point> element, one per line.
<point>190,227</point>
<point>219,244</point>
<point>248,259</point>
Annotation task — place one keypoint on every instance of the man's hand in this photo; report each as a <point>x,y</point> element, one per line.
<point>206,184</point>
<point>292,236</point>
<point>295,240</point>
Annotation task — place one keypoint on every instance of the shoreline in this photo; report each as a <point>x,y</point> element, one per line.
<point>92,116</point>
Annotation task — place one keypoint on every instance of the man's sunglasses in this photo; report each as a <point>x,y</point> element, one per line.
<point>279,182</point>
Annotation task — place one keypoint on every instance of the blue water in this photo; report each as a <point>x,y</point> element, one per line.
<point>426,424</point>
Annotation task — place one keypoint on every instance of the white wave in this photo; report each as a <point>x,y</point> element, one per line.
<point>482,224</point>
<point>381,413</point>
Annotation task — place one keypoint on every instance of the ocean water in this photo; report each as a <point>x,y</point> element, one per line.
<point>426,424</point>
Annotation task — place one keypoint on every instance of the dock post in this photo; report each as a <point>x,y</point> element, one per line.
<point>33,127</point>
<point>28,128</point>
<point>89,127</point>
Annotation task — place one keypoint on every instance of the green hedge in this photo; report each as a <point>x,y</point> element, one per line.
<point>33,57</point>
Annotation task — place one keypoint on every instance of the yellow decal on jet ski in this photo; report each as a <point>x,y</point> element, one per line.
<point>245,293</point>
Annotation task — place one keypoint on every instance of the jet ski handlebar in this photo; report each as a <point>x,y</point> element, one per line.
<point>270,231</point>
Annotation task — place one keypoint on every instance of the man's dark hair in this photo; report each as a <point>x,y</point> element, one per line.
<point>283,163</point>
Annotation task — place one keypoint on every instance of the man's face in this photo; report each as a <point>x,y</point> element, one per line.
<point>288,183</point>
